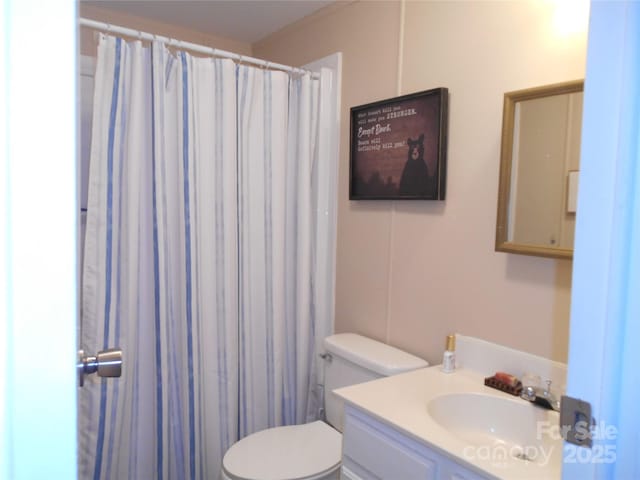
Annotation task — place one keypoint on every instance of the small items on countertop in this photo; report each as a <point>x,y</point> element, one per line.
<point>506,378</point>
<point>449,357</point>
<point>504,382</point>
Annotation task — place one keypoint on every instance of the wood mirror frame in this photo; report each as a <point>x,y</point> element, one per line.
<point>506,159</point>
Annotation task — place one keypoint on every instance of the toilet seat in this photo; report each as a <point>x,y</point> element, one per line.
<point>296,452</point>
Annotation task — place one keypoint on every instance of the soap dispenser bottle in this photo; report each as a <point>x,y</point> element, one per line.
<point>449,357</point>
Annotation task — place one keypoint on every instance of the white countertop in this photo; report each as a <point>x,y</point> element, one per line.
<point>402,402</point>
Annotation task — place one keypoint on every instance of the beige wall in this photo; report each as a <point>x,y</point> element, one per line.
<point>88,39</point>
<point>411,272</point>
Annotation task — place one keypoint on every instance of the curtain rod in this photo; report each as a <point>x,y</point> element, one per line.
<point>172,42</point>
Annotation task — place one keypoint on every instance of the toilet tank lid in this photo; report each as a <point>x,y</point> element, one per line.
<point>378,357</point>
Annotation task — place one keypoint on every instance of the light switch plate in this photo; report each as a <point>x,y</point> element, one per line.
<point>576,421</point>
<point>572,191</point>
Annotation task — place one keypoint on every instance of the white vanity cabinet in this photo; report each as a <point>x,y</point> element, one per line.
<point>374,450</point>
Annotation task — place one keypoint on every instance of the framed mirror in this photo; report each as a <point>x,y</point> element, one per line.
<point>539,165</point>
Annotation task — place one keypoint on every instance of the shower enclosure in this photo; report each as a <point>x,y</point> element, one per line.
<point>208,255</point>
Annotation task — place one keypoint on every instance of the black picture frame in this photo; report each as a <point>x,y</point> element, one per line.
<point>398,147</point>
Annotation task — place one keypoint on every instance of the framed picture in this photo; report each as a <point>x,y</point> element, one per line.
<point>399,148</point>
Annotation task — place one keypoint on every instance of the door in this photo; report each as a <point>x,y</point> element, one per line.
<point>37,239</point>
<point>605,312</point>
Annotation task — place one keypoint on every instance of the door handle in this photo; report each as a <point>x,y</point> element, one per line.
<point>107,363</point>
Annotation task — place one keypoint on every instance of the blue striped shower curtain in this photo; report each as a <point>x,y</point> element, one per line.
<point>201,238</point>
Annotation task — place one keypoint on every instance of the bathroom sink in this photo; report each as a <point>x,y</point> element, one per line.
<point>510,427</point>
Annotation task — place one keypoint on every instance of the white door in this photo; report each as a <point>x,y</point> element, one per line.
<point>37,239</point>
<point>605,312</point>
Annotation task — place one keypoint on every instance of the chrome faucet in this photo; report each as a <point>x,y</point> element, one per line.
<point>541,396</point>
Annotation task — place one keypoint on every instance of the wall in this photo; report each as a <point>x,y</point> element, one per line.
<point>409,273</point>
<point>88,39</point>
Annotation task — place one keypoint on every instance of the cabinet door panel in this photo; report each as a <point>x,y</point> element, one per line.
<point>383,456</point>
<point>352,471</point>
<point>454,471</point>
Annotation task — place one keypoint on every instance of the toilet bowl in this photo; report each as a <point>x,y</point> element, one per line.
<point>310,451</point>
<point>313,451</point>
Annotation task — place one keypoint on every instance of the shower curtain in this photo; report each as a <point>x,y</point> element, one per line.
<point>203,226</point>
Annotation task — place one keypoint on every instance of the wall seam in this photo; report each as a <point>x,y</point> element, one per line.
<point>393,203</point>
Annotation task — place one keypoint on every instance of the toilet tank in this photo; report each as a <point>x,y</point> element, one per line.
<point>356,359</point>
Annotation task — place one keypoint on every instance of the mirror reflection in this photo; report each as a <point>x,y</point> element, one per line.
<point>539,170</point>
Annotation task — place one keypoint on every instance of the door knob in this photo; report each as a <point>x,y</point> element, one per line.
<point>107,363</point>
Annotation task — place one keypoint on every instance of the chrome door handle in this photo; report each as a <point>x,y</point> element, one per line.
<point>107,363</point>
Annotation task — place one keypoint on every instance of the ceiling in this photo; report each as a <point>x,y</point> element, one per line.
<point>243,20</point>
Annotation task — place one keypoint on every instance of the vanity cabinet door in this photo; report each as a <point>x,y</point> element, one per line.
<point>373,450</point>
<point>452,471</point>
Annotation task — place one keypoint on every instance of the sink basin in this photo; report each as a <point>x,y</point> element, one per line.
<point>511,427</point>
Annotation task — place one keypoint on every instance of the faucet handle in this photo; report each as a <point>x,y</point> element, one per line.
<point>554,399</point>
<point>528,393</point>
<point>547,391</point>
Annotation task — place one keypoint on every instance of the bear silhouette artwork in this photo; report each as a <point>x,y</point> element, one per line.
<point>415,180</point>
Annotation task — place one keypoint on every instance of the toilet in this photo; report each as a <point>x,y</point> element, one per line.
<point>313,451</point>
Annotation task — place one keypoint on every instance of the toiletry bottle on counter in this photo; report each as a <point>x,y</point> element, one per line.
<point>449,357</point>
